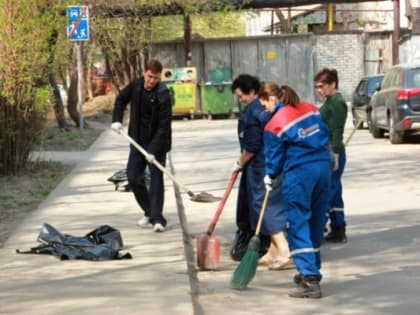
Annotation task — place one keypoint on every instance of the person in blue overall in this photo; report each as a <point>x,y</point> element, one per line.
<point>334,113</point>
<point>296,145</point>
<point>251,162</point>
<point>270,97</point>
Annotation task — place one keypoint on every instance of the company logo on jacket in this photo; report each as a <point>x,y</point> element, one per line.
<point>307,132</point>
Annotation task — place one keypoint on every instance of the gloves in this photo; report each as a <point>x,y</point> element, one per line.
<point>268,182</point>
<point>236,167</point>
<point>117,126</point>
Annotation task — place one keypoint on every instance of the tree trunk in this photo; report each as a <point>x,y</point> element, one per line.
<point>284,27</point>
<point>58,103</point>
<point>72,98</point>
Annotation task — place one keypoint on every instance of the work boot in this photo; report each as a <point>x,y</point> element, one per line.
<point>308,288</point>
<point>297,278</point>
<point>336,235</point>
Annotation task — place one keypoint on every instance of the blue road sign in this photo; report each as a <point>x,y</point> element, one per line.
<point>78,23</point>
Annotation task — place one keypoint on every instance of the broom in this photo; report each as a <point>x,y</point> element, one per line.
<point>246,269</point>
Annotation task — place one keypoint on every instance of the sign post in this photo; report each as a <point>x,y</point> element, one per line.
<point>78,31</point>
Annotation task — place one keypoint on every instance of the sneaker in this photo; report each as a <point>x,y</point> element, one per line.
<point>158,227</point>
<point>336,235</point>
<point>308,288</point>
<point>144,222</point>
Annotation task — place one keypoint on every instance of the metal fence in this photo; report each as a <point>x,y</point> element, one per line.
<point>284,59</point>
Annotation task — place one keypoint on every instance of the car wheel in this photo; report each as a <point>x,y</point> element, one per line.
<point>368,120</point>
<point>395,137</point>
<point>375,131</point>
<point>356,121</point>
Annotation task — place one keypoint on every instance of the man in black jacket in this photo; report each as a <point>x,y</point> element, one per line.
<point>150,127</point>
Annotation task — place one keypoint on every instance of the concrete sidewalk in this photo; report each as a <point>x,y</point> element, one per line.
<point>377,272</point>
<point>153,282</point>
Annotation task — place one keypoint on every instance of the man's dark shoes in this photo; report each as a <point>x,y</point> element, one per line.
<point>306,287</point>
<point>336,235</point>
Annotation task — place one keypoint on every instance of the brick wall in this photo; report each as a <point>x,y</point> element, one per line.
<point>416,21</point>
<point>409,50</point>
<point>344,52</point>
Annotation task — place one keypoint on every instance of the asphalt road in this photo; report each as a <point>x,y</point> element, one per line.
<point>376,272</point>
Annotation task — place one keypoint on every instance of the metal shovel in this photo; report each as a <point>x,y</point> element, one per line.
<point>208,244</point>
<point>201,197</point>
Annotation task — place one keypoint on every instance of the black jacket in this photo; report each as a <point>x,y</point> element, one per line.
<point>150,115</point>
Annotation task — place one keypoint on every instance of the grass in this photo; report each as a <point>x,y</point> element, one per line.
<point>73,139</point>
<point>22,194</point>
<point>19,195</point>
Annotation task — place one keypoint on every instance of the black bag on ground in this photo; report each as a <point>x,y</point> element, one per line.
<point>108,235</point>
<point>119,179</point>
<point>103,243</point>
<point>240,244</point>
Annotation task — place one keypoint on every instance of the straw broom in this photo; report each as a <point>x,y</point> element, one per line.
<point>246,269</point>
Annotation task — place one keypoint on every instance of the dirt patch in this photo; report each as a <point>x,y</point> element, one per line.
<point>100,104</point>
<point>20,195</point>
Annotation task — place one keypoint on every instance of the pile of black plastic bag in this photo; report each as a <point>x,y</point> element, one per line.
<point>103,243</point>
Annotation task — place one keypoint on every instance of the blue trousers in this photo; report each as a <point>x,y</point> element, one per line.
<point>149,199</point>
<point>336,203</point>
<point>250,198</point>
<point>305,195</point>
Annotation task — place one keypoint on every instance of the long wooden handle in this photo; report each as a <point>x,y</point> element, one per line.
<point>260,218</point>
<point>182,187</point>
<point>352,132</point>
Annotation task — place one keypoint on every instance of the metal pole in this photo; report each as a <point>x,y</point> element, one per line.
<point>80,83</point>
<point>330,17</point>
<point>396,33</point>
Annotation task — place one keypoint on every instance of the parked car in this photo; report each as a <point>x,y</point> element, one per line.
<point>395,107</point>
<point>361,97</point>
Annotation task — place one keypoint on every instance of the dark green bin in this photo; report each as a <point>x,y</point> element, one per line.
<point>216,98</point>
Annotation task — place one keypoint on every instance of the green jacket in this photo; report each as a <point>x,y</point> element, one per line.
<point>334,113</point>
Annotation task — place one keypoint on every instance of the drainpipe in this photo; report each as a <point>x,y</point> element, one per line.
<point>396,33</point>
<point>330,17</point>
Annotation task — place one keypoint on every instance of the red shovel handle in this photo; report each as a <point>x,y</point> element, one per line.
<point>222,203</point>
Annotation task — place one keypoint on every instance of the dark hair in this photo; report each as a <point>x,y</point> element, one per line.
<point>246,83</point>
<point>289,95</point>
<point>154,66</point>
<point>328,76</point>
<point>269,89</point>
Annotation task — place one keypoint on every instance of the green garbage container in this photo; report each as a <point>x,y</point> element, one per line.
<point>216,98</point>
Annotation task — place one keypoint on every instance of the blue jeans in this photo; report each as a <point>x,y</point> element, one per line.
<point>149,199</point>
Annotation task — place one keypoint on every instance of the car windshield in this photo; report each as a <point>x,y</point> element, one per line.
<point>413,78</point>
<point>372,83</point>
